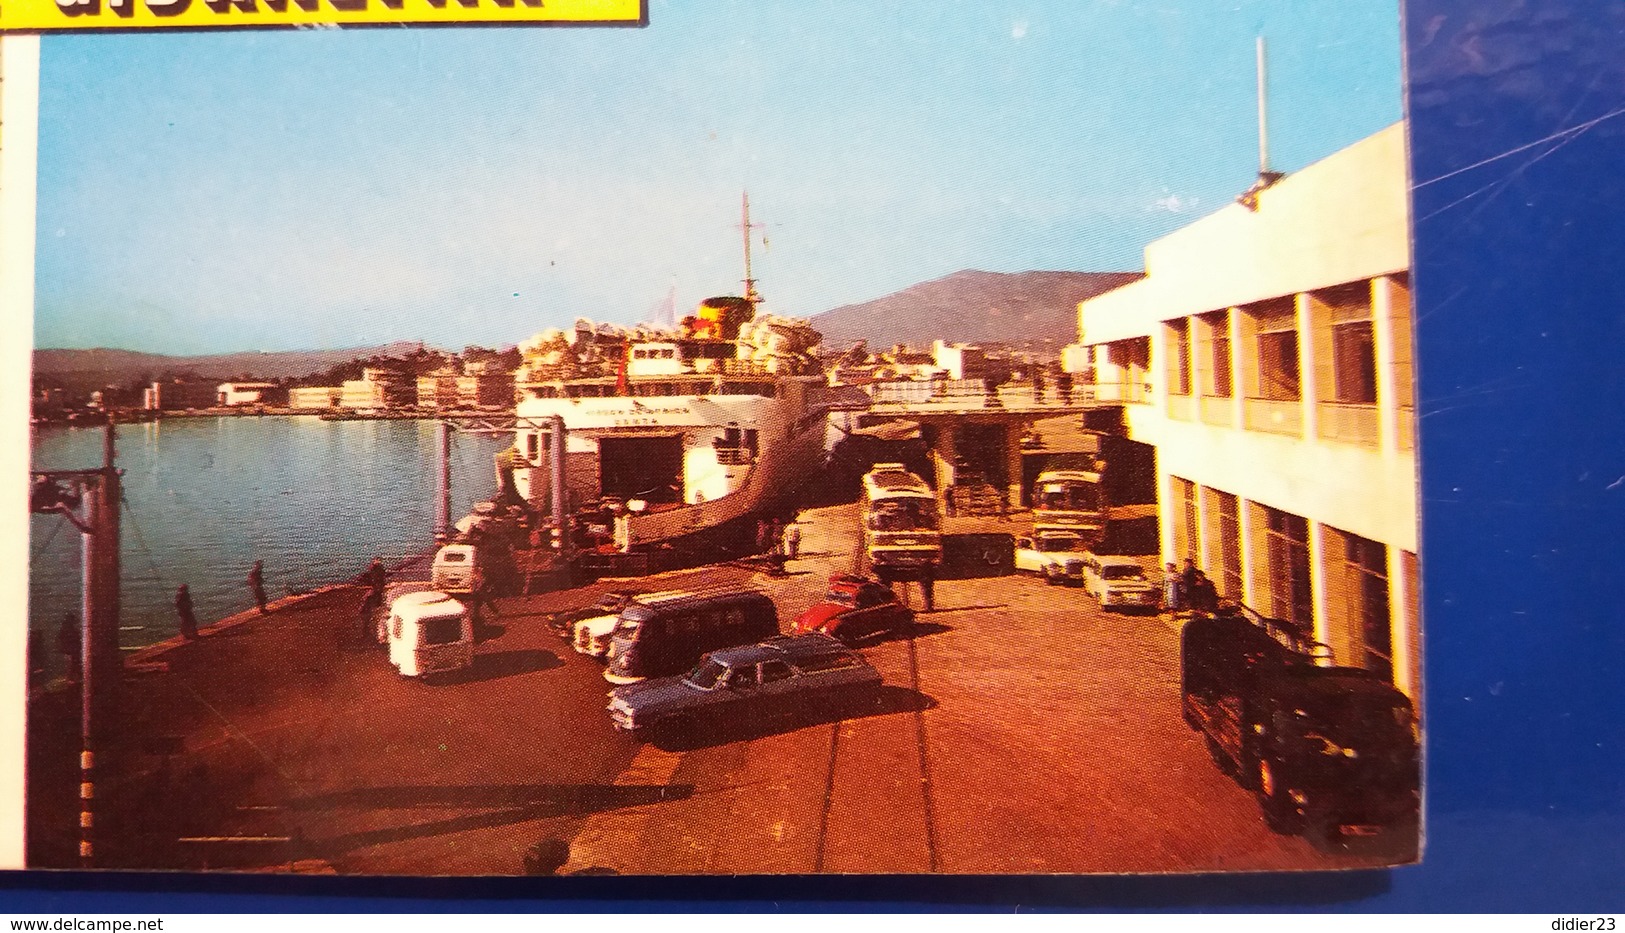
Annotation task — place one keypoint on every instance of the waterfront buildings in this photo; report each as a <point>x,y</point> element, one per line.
<point>378,387</point>
<point>1267,356</point>
<point>234,394</point>
<point>177,394</point>
<point>312,397</point>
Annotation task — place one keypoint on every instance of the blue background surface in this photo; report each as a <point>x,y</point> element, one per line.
<point>1520,308</point>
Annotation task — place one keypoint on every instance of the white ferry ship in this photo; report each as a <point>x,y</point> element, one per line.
<point>686,431</point>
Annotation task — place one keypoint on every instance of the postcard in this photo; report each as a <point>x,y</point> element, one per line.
<point>712,439</point>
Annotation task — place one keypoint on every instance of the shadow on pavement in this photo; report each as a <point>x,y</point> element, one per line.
<point>495,664</point>
<point>885,700</point>
<point>498,805</point>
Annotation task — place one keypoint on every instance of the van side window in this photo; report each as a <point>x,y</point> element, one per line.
<point>733,616</point>
<point>742,677</point>
<point>774,670</point>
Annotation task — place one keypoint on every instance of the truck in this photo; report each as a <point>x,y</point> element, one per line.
<point>1072,501</point>
<point>902,533</point>
<point>1328,750</point>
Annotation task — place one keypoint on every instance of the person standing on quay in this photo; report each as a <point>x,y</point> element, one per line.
<point>375,578</point>
<point>1171,590</point>
<point>256,582</point>
<point>183,611</point>
<point>792,541</point>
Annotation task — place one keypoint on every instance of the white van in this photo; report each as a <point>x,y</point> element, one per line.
<point>456,569</point>
<point>392,592</point>
<point>430,633</point>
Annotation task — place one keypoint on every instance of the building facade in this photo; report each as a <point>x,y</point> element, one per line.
<point>232,394</point>
<point>176,394</point>
<point>314,397</point>
<point>1267,357</point>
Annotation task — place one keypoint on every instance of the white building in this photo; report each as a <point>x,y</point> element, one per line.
<point>1267,358</point>
<point>232,394</point>
<point>960,361</point>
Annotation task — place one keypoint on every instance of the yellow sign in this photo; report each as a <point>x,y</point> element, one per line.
<point>60,15</point>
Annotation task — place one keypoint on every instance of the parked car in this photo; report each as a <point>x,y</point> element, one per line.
<point>777,677</point>
<point>664,634</point>
<point>1057,556</point>
<point>1119,582</point>
<point>563,622</point>
<point>857,609</point>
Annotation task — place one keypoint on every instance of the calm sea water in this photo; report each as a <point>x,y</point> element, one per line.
<point>206,497</point>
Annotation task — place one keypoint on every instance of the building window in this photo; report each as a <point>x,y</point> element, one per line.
<point>1287,540</point>
<point>1222,385</point>
<point>1365,569</point>
<point>1229,543</point>
<point>1179,357</point>
<point>1278,377</point>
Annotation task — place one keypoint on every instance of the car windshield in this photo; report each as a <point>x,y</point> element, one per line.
<point>705,674</point>
<point>612,602</point>
<point>1051,544</point>
<point>1083,497</point>
<point>1122,573</point>
<point>903,515</point>
<point>626,627</point>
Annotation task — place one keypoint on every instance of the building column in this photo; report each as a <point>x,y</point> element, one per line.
<point>1253,553</point>
<point>1167,533</point>
<point>1404,631</point>
<point>1382,340</point>
<point>1238,397</point>
<point>1012,461</point>
<point>1319,596</point>
<point>1308,387</point>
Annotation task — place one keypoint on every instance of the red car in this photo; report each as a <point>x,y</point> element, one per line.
<point>857,609</point>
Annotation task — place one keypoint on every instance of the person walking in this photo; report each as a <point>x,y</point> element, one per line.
<point>1187,584</point>
<point>792,541</point>
<point>1038,386</point>
<point>184,613</point>
<point>256,583</point>
<point>1063,384</point>
<point>1170,589</point>
<point>375,578</point>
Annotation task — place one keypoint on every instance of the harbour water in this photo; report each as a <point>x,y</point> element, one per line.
<point>206,497</point>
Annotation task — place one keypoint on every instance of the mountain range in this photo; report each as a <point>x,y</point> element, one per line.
<point>1027,309</point>
<point>90,369</point>
<point>1032,310</point>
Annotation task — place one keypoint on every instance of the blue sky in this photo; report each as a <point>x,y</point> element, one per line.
<point>210,192</point>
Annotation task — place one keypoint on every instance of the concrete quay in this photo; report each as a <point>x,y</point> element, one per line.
<point>1021,731</point>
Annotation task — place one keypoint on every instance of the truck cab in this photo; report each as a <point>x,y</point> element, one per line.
<point>1333,749</point>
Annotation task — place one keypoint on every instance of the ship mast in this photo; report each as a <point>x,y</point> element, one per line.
<point>745,226</point>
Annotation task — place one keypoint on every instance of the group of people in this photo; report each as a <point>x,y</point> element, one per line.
<point>1188,590</point>
<point>777,538</point>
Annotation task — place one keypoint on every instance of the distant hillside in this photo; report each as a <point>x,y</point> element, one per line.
<point>99,367</point>
<point>1017,308</point>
